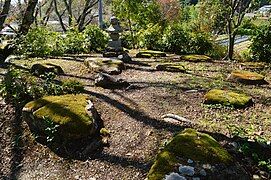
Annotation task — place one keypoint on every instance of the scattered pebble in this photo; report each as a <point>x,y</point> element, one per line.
<point>190,161</point>
<point>174,176</point>
<point>195,178</point>
<point>255,176</point>
<point>187,170</point>
<point>203,172</point>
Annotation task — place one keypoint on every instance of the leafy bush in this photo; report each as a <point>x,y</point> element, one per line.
<point>261,44</point>
<point>40,42</point>
<point>74,42</point>
<point>127,39</point>
<point>151,38</point>
<point>20,87</point>
<point>200,43</point>
<point>175,39</point>
<point>96,39</point>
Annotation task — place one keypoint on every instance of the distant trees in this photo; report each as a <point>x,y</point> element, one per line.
<point>235,12</point>
<point>4,13</point>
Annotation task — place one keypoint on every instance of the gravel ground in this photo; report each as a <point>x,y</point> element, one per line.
<point>133,118</point>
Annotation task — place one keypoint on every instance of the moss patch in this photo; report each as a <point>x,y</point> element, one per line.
<point>150,54</point>
<point>171,67</point>
<point>247,77</point>
<point>188,144</point>
<point>67,111</point>
<point>196,58</point>
<point>227,98</point>
<point>106,65</point>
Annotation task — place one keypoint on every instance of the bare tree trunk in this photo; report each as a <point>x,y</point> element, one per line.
<point>4,13</point>
<point>59,16</point>
<point>48,12</point>
<point>28,18</point>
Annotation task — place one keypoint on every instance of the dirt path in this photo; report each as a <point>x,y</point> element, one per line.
<point>134,120</point>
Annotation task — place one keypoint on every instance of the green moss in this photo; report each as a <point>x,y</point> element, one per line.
<point>188,144</point>
<point>227,98</point>
<point>171,67</point>
<point>104,65</point>
<point>150,54</point>
<point>196,58</point>
<point>68,111</point>
<point>104,132</point>
<point>247,75</point>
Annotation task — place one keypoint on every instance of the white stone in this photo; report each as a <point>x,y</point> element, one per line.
<point>187,170</point>
<point>174,176</point>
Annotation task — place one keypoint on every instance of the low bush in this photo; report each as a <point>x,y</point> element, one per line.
<point>95,38</point>
<point>261,44</point>
<point>74,42</point>
<point>40,42</point>
<point>20,87</point>
<point>151,38</point>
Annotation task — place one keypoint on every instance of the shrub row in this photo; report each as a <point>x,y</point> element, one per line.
<point>41,41</point>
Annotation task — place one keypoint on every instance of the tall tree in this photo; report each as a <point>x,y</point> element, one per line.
<point>28,17</point>
<point>4,13</point>
<point>235,12</point>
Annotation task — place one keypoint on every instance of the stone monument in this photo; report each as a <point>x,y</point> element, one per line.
<point>114,47</point>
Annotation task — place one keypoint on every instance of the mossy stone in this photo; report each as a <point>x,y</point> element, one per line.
<point>196,58</point>
<point>150,54</point>
<point>170,67</point>
<point>188,144</point>
<point>68,113</point>
<point>227,98</point>
<point>106,65</point>
<point>247,77</point>
<point>41,69</point>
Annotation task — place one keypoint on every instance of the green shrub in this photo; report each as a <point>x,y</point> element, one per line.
<point>20,87</point>
<point>175,39</point>
<point>261,44</point>
<point>200,43</point>
<point>40,42</point>
<point>151,38</point>
<point>96,39</point>
<point>74,42</point>
<point>127,39</point>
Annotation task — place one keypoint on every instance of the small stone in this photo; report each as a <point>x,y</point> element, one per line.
<point>77,177</point>
<point>234,144</point>
<point>190,161</point>
<point>195,178</point>
<point>174,176</point>
<point>206,166</point>
<point>255,176</point>
<point>187,170</point>
<point>203,172</point>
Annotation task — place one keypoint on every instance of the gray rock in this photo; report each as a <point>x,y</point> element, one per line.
<point>203,172</point>
<point>187,170</point>
<point>190,161</point>
<point>109,82</point>
<point>195,178</point>
<point>174,176</point>
<point>125,57</point>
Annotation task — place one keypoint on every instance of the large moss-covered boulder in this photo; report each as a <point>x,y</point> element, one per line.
<point>170,67</point>
<point>190,145</point>
<point>196,58</point>
<point>106,65</point>
<point>66,117</point>
<point>227,98</point>
<point>247,77</point>
<point>150,54</point>
<point>43,68</point>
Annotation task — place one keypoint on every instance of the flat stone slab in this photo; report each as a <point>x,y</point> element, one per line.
<point>106,65</point>
<point>170,67</point>
<point>66,117</point>
<point>150,54</point>
<point>247,77</point>
<point>196,58</point>
<point>196,146</point>
<point>44,68</point>
<point>227,98</point>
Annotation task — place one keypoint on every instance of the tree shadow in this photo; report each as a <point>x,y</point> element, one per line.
<point>136,114</point>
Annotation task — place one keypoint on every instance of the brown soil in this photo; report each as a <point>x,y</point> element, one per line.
<point>133,117</point>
